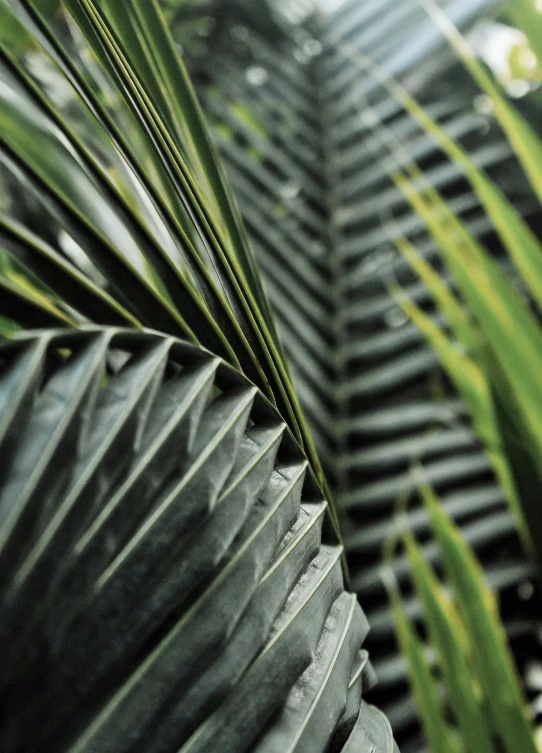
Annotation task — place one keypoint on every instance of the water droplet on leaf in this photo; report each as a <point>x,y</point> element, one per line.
<point>312,47</point>
<point>518,88</point>
<point>256,75</point>
<point>483,104</point>
<point>525,590</point>
<point>395,318</point>
<point>289,190</point>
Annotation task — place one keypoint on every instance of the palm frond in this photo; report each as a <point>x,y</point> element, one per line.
<point>163,573</point>
<point>205,280</point>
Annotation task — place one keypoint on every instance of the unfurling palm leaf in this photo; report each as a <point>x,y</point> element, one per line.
<point>201,293</point>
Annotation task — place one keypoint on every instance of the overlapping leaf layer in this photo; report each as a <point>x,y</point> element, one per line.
<point>163,574</point>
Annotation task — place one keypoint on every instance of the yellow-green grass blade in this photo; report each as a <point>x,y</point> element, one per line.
<point>461,253</point>
<point>490,652</point>
<point>523,139</point>
<point>472,384</point>
<point>522,458</point>
<point>450,641</point>
<point>462,326</point>
<point>509,328</point>
<point>440,736</point>
<point>470,379</point>
<point>519,240</point>
<point>467,376</point>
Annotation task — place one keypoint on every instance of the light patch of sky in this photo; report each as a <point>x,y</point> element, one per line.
<point>331,5</point>
<point>492,41</point>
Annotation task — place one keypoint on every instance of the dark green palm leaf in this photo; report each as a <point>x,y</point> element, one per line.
<point>163,606</point>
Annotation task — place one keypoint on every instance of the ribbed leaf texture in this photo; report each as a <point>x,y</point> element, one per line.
<point>310,170</point>
<point>162,570</point>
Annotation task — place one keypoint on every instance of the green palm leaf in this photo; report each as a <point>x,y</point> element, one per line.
<point>128,565</point>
